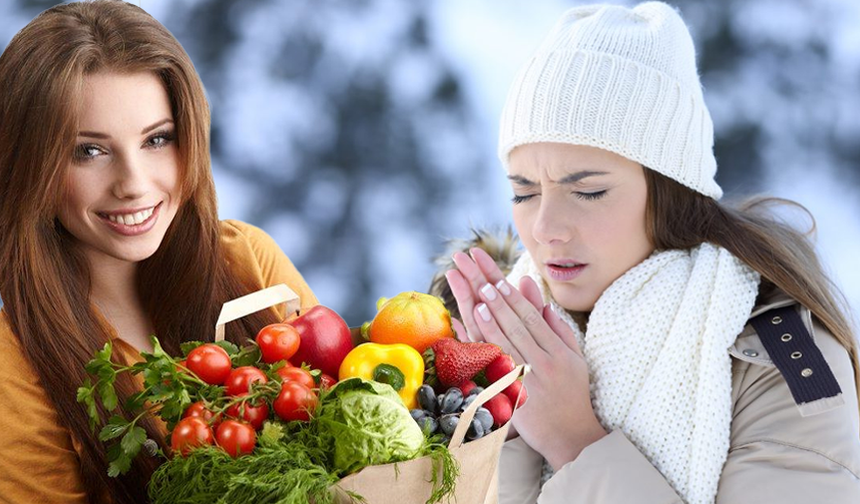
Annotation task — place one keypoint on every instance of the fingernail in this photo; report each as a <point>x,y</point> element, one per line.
<point>484,311</point>
<point>489,292</point>
<point>503,288</point>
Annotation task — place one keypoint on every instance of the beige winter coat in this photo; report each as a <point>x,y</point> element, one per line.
<point>776,455</point>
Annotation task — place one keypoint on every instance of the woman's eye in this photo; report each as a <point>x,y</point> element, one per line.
<point>160,139</point>
<point>520,199</point>
<point>590,196</point>
<point>84,152</point>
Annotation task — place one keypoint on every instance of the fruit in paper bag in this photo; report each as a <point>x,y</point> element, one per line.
<point>278,342</point>
<point>210,363</point>
<point>239,380</point>
<point>457,362</point>
<point>503,365</point>
<point>190,433</point>
<point>413,318</point>
<point>398,365</point>
<point>236,438</point>
<point>297,374</point>
<point>325,340</point>
<point>295,402</point>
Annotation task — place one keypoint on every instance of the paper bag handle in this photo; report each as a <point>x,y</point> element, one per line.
<point>254,302</point>
<point>487,394</point>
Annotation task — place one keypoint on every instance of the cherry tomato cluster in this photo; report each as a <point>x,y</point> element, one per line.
<point>234,427</point>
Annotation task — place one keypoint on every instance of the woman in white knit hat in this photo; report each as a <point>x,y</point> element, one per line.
<point>682,350</point>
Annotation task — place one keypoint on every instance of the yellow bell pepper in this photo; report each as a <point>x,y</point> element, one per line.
<point>398,365</point>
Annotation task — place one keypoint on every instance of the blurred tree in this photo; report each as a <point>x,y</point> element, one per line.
<point>342,129</point>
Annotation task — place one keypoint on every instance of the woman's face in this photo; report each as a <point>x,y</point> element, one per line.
<point>123,189</point>
<point>580,212</point>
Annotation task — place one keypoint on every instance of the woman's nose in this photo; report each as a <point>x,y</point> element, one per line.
<point>553,224</point>
<point>130,177</point>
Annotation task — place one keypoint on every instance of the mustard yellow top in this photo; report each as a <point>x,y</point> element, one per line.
<point>38,457</point>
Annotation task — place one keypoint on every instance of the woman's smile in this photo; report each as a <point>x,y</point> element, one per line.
<point>131,222</point>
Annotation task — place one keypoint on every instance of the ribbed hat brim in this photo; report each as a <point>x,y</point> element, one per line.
<point>602,100</point>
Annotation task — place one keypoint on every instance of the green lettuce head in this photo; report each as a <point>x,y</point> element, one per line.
<point>370,425</point>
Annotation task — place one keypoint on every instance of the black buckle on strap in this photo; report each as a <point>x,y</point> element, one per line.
<point>795,354</point>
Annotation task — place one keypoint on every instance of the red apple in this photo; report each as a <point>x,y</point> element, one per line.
<point>325,340</point>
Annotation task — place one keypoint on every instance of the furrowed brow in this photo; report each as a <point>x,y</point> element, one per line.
<point>576,177</point>
<point>520,180</point>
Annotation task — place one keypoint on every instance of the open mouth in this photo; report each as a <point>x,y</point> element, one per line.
<point>130,223</point>
<point>565,265</point>
<point>564,270</point>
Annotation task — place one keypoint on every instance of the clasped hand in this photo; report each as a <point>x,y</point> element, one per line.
<point>557,420</point>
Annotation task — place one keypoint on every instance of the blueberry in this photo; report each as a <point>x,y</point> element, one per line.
<point>476,430</point>
<point>467,401</point>
<point>448,423</point>
<point>485,417</point>
<point>427,397</point>
<point>475,391</point>
<point>428,424</point>
<point>452,399</point>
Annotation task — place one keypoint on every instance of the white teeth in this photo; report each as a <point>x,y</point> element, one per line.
<point>132,219</point>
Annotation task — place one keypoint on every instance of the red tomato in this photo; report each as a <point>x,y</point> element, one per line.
<point>236,438</point>
<point>295,402</point>
<point>190,433</point>
<point>210,363</point>
<point>241,378</point>
<point>199,410</point>
<point>278,342</point>
<point>326,381</point>
<point>254,415</point>
<point>297,374</point>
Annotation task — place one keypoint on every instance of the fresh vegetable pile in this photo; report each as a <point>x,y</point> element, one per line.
<point>287,415</point>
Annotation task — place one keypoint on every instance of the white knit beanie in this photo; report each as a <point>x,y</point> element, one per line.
<point>623,80</point>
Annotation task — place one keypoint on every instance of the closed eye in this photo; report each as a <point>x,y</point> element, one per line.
<point>590,196</point>
<point>520,199</point>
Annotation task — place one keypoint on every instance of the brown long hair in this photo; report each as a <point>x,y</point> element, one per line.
<point>44,279</point>
<point>679,218</point>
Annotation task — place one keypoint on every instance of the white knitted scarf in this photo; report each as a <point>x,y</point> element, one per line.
<point>657,350</point>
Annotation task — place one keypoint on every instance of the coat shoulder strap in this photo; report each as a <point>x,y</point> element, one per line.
<point>801,363</point>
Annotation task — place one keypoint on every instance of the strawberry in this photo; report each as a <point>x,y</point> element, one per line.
<point>457,362</point>
<point>501,366</point>
<point>501,409</point>
<point>513,391</point>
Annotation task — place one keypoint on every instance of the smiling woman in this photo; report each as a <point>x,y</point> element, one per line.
<point>110,233</point>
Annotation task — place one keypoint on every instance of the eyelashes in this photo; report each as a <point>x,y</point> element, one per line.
<point>517,199</point>
<point>165,137</point>
<point>87,151</point>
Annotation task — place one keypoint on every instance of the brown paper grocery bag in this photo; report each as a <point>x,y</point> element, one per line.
<point>404,482</point>
<point>409,482</point>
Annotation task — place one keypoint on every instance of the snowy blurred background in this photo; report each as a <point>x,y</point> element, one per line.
<point>361,133</point>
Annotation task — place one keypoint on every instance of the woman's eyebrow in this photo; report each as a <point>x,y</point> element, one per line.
<point>95,134</point>
<point>569,179</point>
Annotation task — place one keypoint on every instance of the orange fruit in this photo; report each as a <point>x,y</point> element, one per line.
<point>413,318</point>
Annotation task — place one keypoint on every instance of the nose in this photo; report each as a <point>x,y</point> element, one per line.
<point>130,177</point>
<point>553,224</point>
